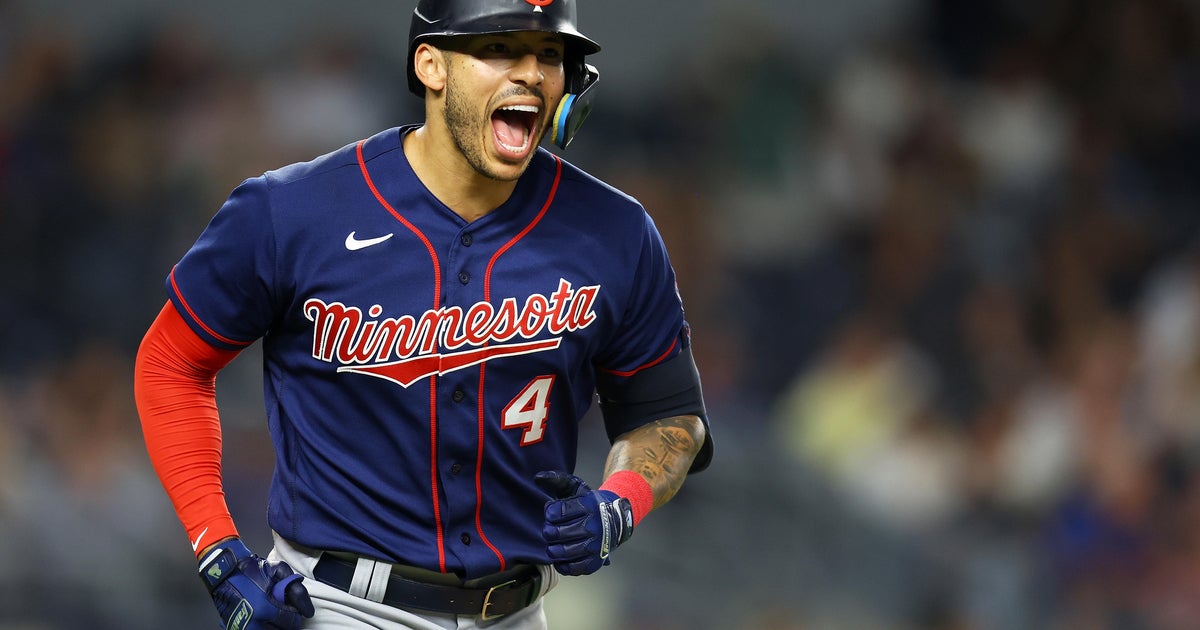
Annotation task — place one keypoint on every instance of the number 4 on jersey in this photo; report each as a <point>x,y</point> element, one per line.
<point>529,410</point>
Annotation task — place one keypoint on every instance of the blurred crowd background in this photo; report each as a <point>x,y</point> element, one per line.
<point>941,260</point>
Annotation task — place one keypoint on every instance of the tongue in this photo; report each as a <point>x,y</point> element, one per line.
<point>509,130</point>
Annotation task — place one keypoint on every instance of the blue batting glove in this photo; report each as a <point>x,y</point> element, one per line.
<point>251,593</point>
<point>583,526</point>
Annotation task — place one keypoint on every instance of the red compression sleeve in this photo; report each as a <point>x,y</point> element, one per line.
<point>632,486</point>
<point>174,385</point>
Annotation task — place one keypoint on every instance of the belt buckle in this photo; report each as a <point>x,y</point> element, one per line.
<point>487,601</point>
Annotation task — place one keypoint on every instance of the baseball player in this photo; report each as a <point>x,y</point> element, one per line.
<point>438,304</point>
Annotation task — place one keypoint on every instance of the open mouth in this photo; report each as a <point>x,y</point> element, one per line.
<point>512,127</point>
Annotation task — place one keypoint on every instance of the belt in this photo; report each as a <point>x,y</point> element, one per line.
<point>488,597</point>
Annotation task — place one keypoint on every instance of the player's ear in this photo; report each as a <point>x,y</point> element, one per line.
<point>429,64</point>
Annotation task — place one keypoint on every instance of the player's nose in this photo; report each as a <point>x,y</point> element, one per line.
<point>527,70</point>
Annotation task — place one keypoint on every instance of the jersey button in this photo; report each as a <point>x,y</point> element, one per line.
<point>464,277</point>
<point>465,538</point>
<point>455,469</point>
<point>466,240</point>
<point>458,395</point>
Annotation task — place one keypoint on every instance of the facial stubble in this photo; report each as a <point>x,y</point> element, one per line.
<point>464,123</point>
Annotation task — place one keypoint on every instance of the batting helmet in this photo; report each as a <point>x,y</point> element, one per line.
<point>442,18</point>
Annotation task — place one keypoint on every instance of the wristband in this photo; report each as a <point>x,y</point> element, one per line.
<point>632,486</point>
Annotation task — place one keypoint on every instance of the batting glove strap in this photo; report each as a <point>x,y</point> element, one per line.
<point>221,562</point>
<point>616,518</point>
<point>583,526</point>
<point>251,593</point>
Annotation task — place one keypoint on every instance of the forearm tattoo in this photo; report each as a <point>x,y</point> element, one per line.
<point>661,451</point>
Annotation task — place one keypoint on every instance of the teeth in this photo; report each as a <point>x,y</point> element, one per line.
<point>531,109</point>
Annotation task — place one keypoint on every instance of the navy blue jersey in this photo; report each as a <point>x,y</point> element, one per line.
<point>420,369</point>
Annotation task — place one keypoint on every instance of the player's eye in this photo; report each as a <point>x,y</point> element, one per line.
<point>497,49</point>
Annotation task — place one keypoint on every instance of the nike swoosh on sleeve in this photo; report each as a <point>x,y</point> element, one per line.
<point>196,543</point>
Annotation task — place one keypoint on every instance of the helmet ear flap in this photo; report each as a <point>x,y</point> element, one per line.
<point>575,105</point>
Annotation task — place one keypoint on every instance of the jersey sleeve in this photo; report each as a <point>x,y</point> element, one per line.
<point>223,286</point>
<point>652,324</point>
<point>647,372</point>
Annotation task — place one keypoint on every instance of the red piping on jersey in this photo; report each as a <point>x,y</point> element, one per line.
<point>188,307</point>
<point>487,280</point>
<point>653,363</point>
<point>437,269</point>
<point>437,293</point>
<point>487,297</point>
